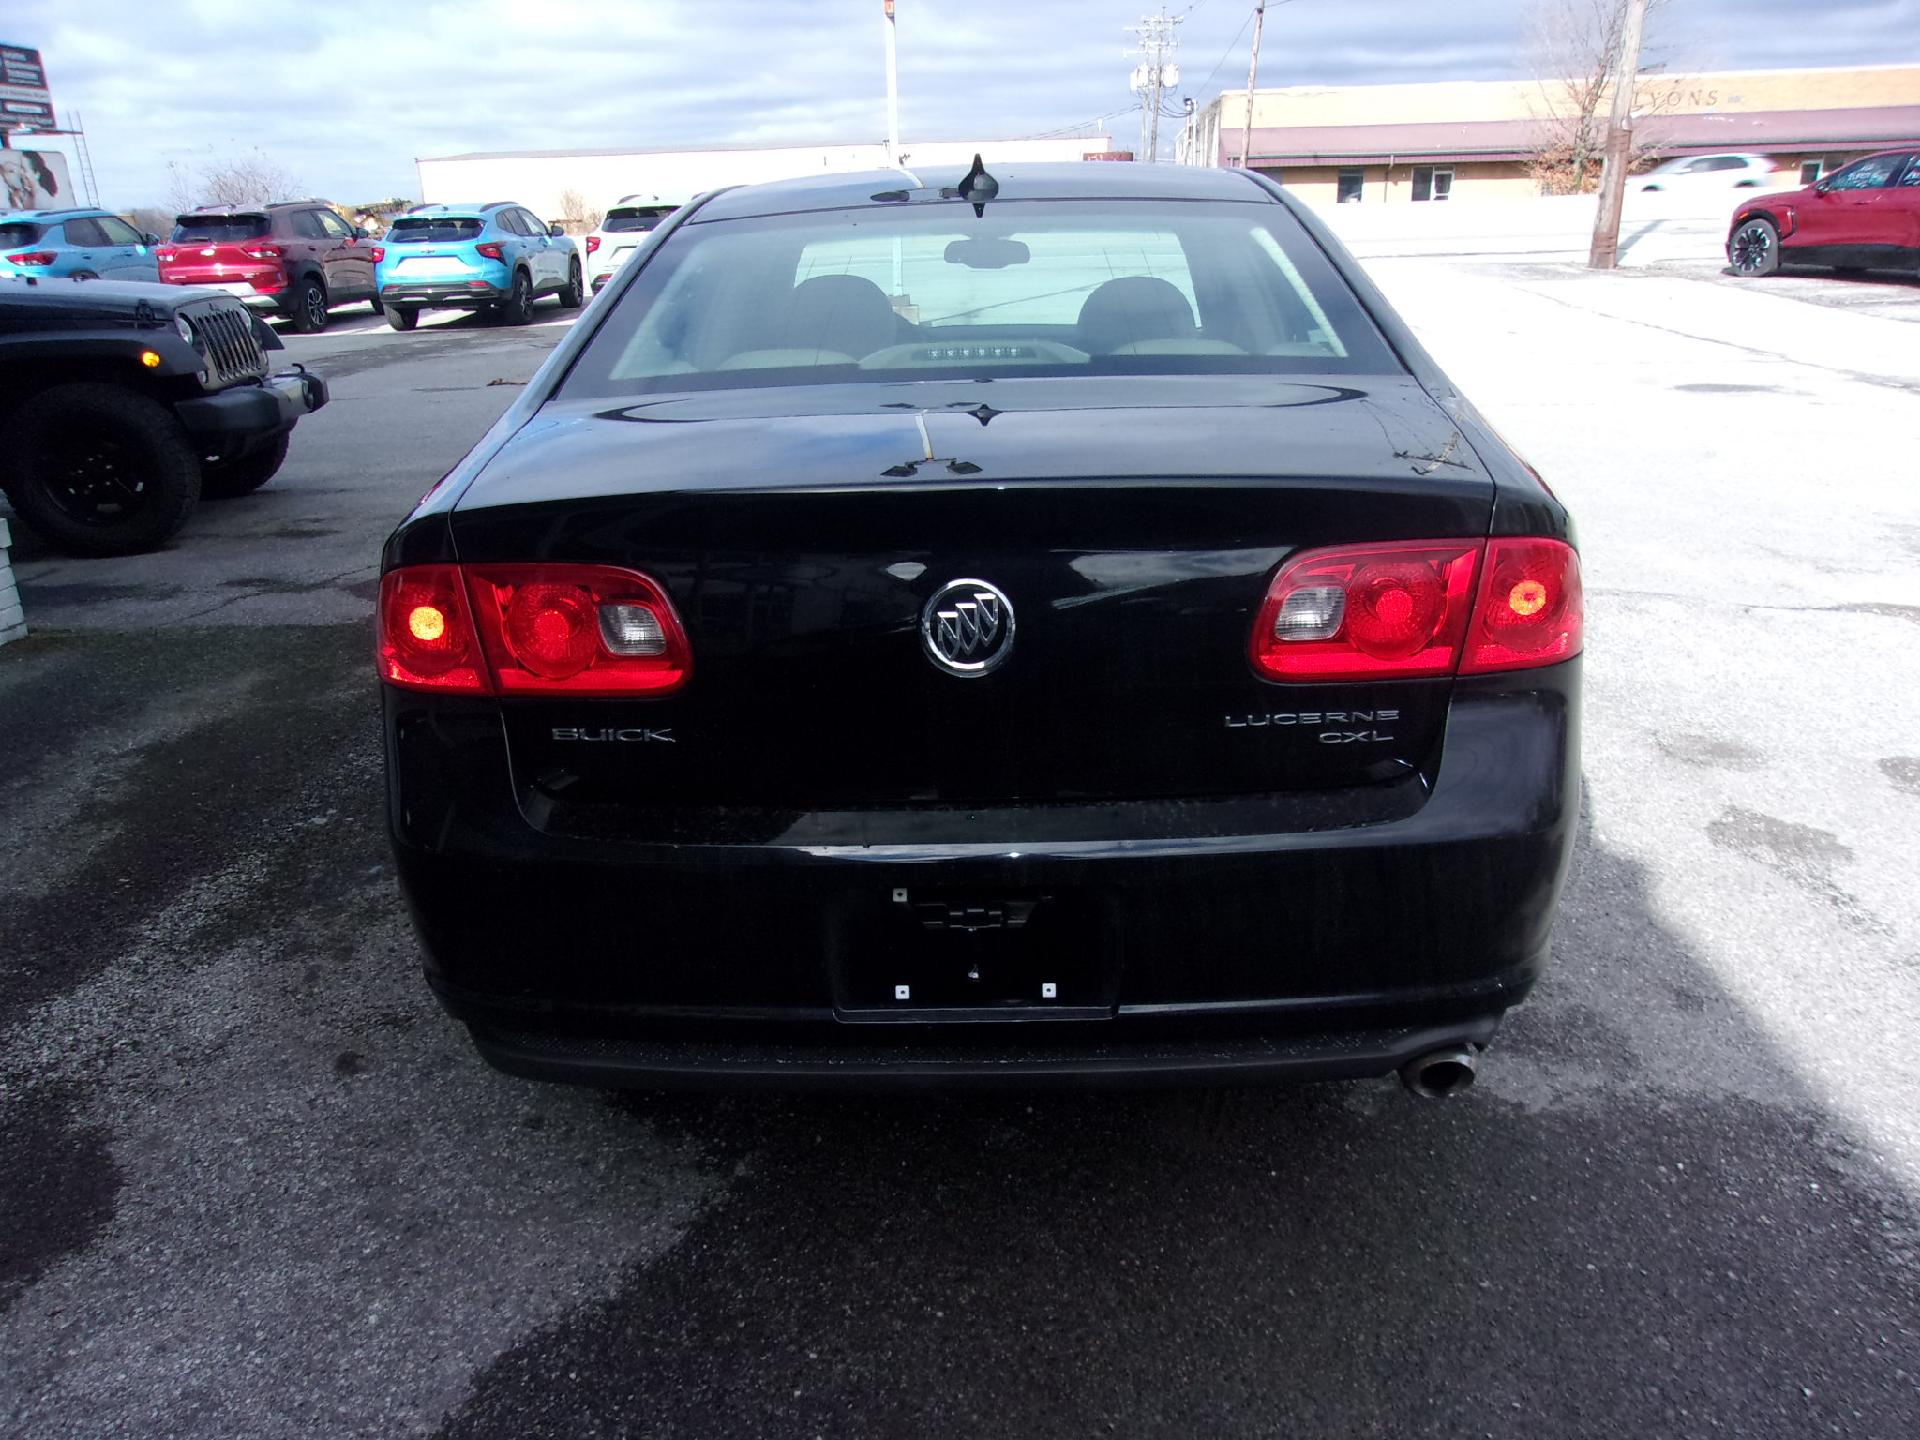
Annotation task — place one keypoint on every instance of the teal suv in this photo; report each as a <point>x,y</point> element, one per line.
<point>495,258</point>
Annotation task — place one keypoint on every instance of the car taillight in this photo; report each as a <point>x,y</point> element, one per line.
<point>531,630</point>
<point>379,253</point>
<point>1363,612</point>
<point>1531,610</point>
<point>33,257</point>
<point>593,243</point>
<point>427,635</point>
<point>164,253</point>
<point>491,249</point>
<point>261,252</point>
<point>1413,608</point>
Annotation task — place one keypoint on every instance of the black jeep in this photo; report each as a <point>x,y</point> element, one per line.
<point>121,404</point>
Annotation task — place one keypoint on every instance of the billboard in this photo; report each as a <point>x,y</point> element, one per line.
<point>35,180</point>
<point>25,102</point>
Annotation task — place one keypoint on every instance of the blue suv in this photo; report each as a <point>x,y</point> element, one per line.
<point>495,258</point>
<point>88,244</point>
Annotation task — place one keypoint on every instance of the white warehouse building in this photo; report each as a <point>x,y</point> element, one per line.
<point>539,179</point>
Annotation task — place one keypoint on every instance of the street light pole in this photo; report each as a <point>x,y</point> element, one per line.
<point>893,88</point>
<point>1253,75</point>
<point>1605,251</point>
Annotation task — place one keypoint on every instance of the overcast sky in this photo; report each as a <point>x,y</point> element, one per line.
<point>344,94</point>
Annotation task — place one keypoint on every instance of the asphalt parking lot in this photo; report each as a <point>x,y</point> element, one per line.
<point>256,1185</point>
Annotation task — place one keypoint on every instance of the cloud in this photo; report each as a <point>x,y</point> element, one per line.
<point>345,94</point>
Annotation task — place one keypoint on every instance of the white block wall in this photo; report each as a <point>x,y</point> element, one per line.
<point>13,620</point>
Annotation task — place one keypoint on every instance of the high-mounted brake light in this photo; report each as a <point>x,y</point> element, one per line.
<point>531,630</point>
<point>492,249</point>
<point>1413,608</point>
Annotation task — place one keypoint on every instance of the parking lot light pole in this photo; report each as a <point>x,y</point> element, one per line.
<point>1605,252</point>
<point>893,87</point>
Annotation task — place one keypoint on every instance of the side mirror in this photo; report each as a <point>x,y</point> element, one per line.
<point>556,229</point>
<point>149,238</point>
<point>361,232</point>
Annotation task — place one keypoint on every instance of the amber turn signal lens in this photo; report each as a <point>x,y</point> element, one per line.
<point>427,622</point>
<point>1529,597</point>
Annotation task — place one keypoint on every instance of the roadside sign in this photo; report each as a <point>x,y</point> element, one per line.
<point>25,101</point>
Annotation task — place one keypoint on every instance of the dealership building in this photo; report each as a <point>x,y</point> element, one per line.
<point>541,179</point>
<point>1476,139</point>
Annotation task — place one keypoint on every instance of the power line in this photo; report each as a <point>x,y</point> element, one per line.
<point>1232,45</point>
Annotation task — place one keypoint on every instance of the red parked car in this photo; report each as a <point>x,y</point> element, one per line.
<point>295,258</point>
<point>1863,216</point>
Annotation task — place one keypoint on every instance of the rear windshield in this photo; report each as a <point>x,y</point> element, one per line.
<point>16,232</point>
<point>434,229</point>
<point>927,291</point>
<point>632,217</point>
<point>216,229</point>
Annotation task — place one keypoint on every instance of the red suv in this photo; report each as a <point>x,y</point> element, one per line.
<point>1863,216</point>
<point>295,258</point>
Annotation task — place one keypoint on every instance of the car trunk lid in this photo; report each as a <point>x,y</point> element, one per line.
<point>802,533</point>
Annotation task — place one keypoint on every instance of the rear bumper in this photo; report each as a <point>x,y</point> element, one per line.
<point>743,1062</point>
<point>443,296</point>
<point>1224,939</point>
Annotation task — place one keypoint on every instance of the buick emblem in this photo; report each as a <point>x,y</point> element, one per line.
<point>967,628</point>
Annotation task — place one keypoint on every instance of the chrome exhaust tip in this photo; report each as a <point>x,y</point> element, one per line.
<point>1440,1074</point>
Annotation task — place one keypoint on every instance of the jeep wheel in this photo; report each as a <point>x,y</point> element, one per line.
<point>309,312</point>
<point>224,479</point>
<point>517,308</point>
<point>101,469</point>
<point>573,296</point>
<point>403,317</point>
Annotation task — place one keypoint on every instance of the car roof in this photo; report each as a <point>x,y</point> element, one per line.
<point>10,216</point>
<point>468,209</point>
<point>1081,180</point>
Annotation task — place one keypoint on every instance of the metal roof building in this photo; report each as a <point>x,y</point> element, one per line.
<point>1366,141</point>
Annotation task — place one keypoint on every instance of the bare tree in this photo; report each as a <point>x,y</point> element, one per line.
<point>250,179</point>
<point>1573,45</point>
<point>576,214</point>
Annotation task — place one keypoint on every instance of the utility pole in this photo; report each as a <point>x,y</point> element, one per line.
<point>1253,76</point>
<point>1154,74</point>
<point>1605,252</point>
<point>893,87</point>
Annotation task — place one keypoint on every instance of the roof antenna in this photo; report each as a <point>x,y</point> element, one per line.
<point>979,187</point>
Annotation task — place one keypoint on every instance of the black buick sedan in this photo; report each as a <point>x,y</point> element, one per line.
<point>1049,624</point>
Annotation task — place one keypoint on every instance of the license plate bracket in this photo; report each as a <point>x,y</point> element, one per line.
<point>974,953</point>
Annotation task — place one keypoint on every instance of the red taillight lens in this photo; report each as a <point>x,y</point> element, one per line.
<point>33,257</point>
<point>593,243</point>
<point>578,630</point>
<point>491,249</point>
<point>427,635</point>
<point>1366,612</point>
<point>261,252</point>
<point>379,253</point>
<point>164,254</point>
<point>1413,608</point>
<point>1531,609</point>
